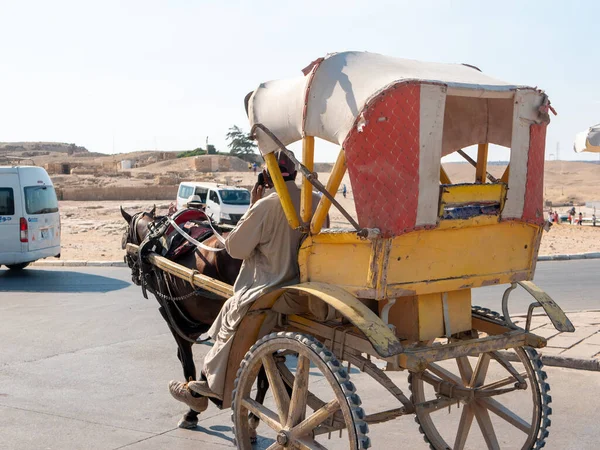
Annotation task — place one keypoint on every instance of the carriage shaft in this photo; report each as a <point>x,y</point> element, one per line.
<point>193,276</point>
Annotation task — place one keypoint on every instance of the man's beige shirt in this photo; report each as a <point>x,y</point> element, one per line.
<point>269,247</point>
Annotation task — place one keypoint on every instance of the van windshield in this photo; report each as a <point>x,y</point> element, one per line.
<point>40,200</point>
<point>235,196</point>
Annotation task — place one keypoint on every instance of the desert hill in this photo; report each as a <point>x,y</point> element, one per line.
<point>31,149</point>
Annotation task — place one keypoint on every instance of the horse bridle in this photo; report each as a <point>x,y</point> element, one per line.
<point>132,237</point>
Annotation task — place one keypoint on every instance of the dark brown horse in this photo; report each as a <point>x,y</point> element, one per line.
<point>187,318</point>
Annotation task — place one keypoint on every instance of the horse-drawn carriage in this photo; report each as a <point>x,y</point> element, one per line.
<point>393,293</point>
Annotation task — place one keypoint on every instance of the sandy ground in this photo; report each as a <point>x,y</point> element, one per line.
<point>93,230</point>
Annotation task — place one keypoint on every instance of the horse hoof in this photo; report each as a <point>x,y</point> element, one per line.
<point>187,424</point>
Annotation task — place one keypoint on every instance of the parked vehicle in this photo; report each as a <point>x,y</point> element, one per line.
<point>224,204</point>
<point>29,218</point>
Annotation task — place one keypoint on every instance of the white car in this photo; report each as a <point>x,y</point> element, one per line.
<point>224,204</point>
<point>29,218</point>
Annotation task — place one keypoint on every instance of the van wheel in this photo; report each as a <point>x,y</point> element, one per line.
<point>17,266</point>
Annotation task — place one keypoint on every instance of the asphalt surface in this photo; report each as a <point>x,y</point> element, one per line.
<point>85,361</point>
<point>574,285</point>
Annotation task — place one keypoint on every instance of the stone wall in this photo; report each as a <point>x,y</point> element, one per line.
<point>118,193</point>
<point>218,163</point>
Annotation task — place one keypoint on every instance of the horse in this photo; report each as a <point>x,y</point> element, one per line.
<point>193,313</point>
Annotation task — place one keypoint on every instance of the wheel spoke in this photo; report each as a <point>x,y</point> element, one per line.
<point>312,400</point>
<point>280,394</point>
<point>480,370</point>
<point>504,362</point>
<point>466,371</point>
<point>487,428</point>
<point>503,412</point>
<point>503,382</point>
<point>444,374</point>
<point>308,444</point>
<point>315,419</point>
<point>263,413</point>
<point>299,392</point>
<point>464,426</point>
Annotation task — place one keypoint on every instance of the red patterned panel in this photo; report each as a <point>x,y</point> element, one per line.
<point>383,160</point>
<point>534,189</point>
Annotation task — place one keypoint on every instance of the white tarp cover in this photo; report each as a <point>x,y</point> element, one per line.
<point>588,141</point>
<point>342,85</point>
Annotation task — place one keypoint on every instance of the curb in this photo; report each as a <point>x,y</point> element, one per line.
<point>77,263</point>
<point>592,255</point>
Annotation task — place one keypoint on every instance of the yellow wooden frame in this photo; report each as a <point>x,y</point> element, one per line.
<point>481,169</point>
<point>282,191</point>
<point>333,184</point>
<point>464,194</point>
<point>422,261</point>
<point>308,159</point>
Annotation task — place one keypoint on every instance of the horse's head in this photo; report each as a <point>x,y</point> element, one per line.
<point>137,226</point>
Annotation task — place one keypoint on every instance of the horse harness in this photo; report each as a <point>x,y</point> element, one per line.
<point>141,270</point>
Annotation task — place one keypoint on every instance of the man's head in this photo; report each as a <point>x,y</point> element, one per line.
<point>287,167</point>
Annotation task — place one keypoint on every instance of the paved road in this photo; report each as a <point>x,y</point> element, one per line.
<point>574,285</point>
<point>85,361</point>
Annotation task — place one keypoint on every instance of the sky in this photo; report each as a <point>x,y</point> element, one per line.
<point>128,75</point>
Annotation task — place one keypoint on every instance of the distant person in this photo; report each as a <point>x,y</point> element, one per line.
<point>550,216</point>
<point>254,167</point>
<point>594,219</point>
<point>580,219</point>
<point>555,216</point>
<point>344,191</point>
<point>570,218</point>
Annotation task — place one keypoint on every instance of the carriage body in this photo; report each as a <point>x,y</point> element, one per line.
<point>395,119</point>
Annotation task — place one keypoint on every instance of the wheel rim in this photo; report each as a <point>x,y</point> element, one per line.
<point>296,421</point>
<point>506,427</point>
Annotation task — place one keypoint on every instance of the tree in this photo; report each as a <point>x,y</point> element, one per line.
<point>196,152</point>
<point>211,150</point>
<point>240,143</point>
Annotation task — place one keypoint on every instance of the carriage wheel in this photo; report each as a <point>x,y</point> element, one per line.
<point>519,404</point>
<point>291,422</point>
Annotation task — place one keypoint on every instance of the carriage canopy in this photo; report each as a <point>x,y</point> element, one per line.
<point>396,118</point>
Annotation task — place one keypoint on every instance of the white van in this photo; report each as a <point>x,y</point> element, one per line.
<point>224,204</point>
<point>29,218</point>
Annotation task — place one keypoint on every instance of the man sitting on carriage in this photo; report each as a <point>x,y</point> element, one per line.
<point>269,250</point>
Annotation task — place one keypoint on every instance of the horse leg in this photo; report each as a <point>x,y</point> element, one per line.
<point>185,356</point>
<point>262,385</point>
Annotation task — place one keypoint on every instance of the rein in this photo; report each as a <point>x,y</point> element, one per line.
<point>193,241</point>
